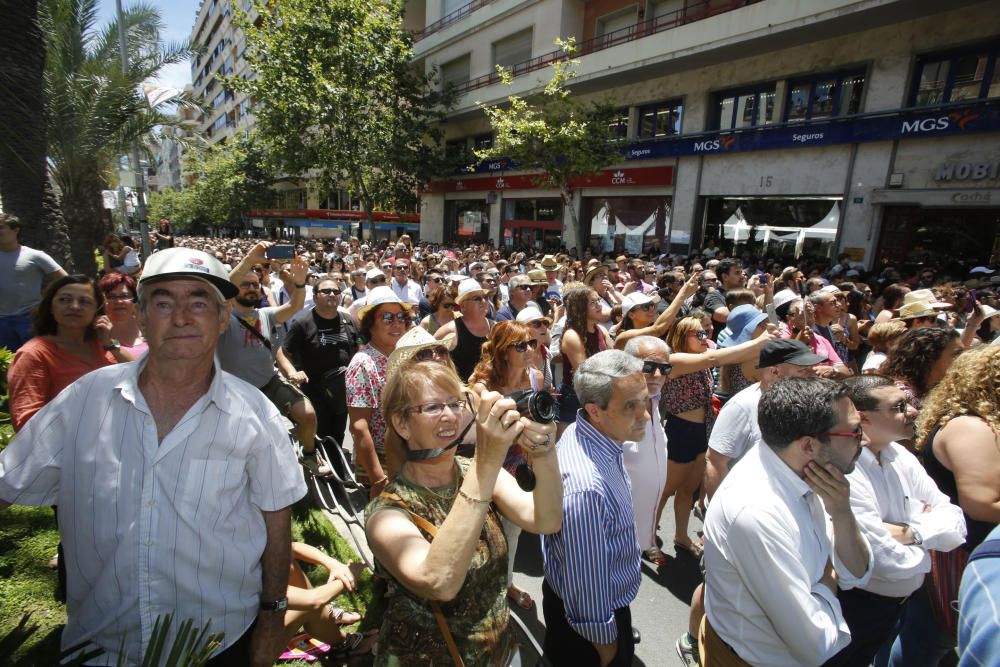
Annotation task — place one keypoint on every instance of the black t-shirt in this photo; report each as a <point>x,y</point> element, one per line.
<point>317,345</point>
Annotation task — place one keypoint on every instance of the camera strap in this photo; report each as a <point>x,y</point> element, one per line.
<point>424,454</point>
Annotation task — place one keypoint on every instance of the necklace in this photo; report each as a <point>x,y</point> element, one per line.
<point>453,486</point>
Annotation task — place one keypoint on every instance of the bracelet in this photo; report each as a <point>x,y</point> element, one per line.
<point>302,286</point>
<point>385,478</point>
<point>474,501</point>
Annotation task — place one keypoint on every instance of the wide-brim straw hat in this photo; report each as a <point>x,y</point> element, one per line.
<point>410,343</point>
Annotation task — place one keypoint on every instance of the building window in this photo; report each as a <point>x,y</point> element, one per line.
<point>618,126</point>
<point>513,49</point>
<point>456,149</point>
<point>614,27</point>
<point>825,96</point>
<point>482,142</point>
<point>745,108</point>
<point>219,99</point>
<point>969,74</point>
<point>662,119</point>
<point>455,71</point>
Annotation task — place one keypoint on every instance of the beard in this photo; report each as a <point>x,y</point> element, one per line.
<point>247,300</point>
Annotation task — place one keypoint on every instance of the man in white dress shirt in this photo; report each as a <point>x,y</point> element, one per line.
<point>405,288</point>
<point>772,571</point>
<point>175,480</point>
<point>902,515</point>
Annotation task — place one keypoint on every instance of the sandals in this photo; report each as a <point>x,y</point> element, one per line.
<point>352,644</point>
<point>521,599</point>
<point>694,550</point>
<point>655,556</point>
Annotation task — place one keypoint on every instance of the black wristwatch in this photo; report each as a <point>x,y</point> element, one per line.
<point>115,344</point>
<point>281,604</point>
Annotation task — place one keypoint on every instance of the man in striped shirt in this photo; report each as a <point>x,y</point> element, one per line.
<point>592,565</point>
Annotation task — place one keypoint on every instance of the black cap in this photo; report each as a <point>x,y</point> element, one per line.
<point>788,351</point>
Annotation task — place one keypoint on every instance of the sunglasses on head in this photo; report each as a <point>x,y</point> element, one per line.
<point>522,346</point>
<point>650,367</point>
<point>399,317</point>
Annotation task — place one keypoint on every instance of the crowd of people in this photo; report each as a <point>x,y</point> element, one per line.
<point>837,431</point>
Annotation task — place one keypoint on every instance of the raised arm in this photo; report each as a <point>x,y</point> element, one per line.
<point>685,363</point>
<point>665,320</point>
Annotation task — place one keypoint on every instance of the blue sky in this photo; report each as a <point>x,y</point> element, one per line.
<point>179,17</point>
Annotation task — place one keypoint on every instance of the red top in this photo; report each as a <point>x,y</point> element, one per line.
<point>41,369</point>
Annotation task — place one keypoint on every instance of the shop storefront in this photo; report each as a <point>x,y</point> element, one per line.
<point>467,219</point>
<point>780,227</point>
<point>635,225</point>
<point>532,223</point>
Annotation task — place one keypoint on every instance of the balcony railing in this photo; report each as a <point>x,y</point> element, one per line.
<point>450,18</point>
<point>693,12</point>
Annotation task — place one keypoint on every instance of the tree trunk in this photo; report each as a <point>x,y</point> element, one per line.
<point>24,185</point>
<point>567,197</point>
<point>81,208</point>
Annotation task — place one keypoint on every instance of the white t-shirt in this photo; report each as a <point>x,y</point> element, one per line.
<point>736,430</point>
<point>21,275</point>
<point>874,361</point>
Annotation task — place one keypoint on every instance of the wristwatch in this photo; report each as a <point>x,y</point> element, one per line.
<point>115,344</point>
<point>281,604</point>
<point>917,538</point>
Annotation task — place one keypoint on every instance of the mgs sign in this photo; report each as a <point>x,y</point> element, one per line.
<point>957,119</point>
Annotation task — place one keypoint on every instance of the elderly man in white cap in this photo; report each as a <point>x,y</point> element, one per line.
<point>470,330</point>
<point>181,478</point>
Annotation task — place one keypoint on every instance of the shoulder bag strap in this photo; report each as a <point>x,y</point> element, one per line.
<point>254,331</point>
<point>431,530</point>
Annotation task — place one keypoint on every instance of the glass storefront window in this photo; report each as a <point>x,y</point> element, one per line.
<point>726,113</point>
<point>913,235</point>
<point>825,97</point>
<point>630,224</point>
<point>660,120</point>
<point>823,92</point>
<point>778,227</point>
<point>850,94</point>
<point>746,109</point>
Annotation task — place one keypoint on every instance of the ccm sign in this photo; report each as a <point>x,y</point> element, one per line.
<point>968,171</point>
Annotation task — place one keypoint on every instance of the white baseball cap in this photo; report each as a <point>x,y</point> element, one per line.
<point>784,296</point>
<point>372,274</point>
<point>636,299</point>
<point>468,287</point>
<point>189,263</point>
<point>529,314</point>
<point>379,296</point>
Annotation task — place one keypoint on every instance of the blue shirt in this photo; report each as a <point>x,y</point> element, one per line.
<point>979,612</point>
<point>593,562</point>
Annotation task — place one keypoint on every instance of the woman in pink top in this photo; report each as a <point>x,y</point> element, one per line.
<point>71,339</point>
<point>120,304</point>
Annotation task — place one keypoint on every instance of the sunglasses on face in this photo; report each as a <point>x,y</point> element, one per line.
<point>404,267</point>
<point>647,307</point>
<point>526,288</point>
<point>329,291</point>
<point>700,335</point>
<point>249,285</point>
<point>431,354</point>
<point>539,324</point>
<point>523,345</point>
<point>436,279</point>
<point>402,317</point>
<point>650,367</point>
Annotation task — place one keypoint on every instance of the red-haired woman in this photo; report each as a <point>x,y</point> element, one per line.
<point>507,365</point>
<point>120,305</point>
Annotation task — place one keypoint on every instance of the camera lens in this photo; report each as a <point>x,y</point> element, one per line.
<point>538,406</point>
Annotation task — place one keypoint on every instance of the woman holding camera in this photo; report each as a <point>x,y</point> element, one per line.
<point>435,531</point>
<point>506,367</point>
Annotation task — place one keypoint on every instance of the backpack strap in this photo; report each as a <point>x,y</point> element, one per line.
<point>253,330</point>
<point>431,530</point>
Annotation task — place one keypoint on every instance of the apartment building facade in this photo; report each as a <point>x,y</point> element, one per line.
<point>221,46</point>
<point>797,127</point>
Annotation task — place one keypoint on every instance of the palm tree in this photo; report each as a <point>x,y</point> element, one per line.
<point>24,184</point>
<point>95,108</point>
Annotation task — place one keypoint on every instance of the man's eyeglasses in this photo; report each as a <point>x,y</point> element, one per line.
<point>437,409</point>
<point>399,317</point>
<point>249,285</point>
<point>329,291</point>
<point>522,346</point>
<point>403,267</point>
<point>700,335</point>
<point>650,367</point>
<point>856,435</point>
<point>431,354</point>
<point>526,288</point>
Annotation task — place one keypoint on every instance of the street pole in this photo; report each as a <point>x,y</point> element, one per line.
<point>140,205</point>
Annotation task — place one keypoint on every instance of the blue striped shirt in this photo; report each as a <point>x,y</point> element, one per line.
<point>593,562</point>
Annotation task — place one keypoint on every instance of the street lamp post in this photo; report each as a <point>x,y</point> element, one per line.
<point>140,180</point>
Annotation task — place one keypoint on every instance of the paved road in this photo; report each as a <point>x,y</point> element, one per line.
<point>660,610</point>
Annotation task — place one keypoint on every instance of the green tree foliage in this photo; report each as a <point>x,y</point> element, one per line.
<point>227,181</point>
<point>564,137</point>
<point>95,109</point>
<point>337,96</point>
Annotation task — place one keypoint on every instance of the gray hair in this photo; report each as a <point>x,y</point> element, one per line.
<point>593,378</point>
<point>634,345</point>
<point>518,280</point>
<point>816,298</point>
